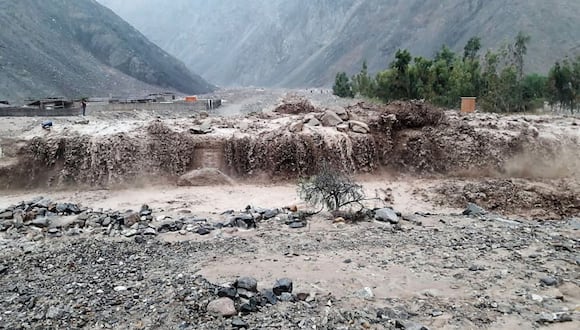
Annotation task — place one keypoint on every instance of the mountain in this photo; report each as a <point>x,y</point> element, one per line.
<point>79,48</point>
<point>305,42</point>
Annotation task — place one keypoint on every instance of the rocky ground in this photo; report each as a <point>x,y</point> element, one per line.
<point>64,265</point>
<point>465,249</point>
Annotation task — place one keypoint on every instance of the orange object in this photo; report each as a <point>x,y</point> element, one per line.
<point>190,98</point>
<point>468,104</point>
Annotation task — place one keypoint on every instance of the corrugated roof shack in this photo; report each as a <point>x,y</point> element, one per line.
<point>48,107</point>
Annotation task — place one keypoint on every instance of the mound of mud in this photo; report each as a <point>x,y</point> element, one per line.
<point>401,114</point>
<point>204,177</point>
<point>286,155</point>
<point>99,161</point>
<point>540,200</point>
<point>294,104</point>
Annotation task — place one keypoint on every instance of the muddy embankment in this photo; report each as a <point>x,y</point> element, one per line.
<point>410,138</point>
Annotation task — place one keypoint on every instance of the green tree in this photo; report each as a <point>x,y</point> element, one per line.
<point>471,49</point>
<point>342,86</point>
<point>420,78</point>
<point>401,86</point>
<point>362,83</point>
<point>564,84</point>
<point>519,50</point>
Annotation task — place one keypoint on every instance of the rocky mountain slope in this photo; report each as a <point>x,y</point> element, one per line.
<point>304,42</point>
<point>80,48</point>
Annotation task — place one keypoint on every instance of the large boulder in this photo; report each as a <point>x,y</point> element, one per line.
<point>331,119</point>
<point>359,127</point>
<point>222,306</point>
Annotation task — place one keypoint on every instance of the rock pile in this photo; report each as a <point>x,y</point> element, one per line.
<point>338,118</point>
<point>43,217</point>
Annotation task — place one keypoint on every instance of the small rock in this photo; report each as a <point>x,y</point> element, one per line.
<point>549,281</point>
<point>131,219</point>
<point>203,231</point>
<point>248,283</point>
<point>296,127</point>
<point>473,209</point>
<point>239,324</point>
<point>436,313</point>
<point>120,288</point>
<point>537,298</point>
<point>342,128</point>
<point>246,293</point>
<point>53,312</point>
<point>282,285</point>
<point>387,215</point>
<point>475,268</point>
<point>250,307</point>
<point>227,292</point>
<point>313,122</point>
<point>297,225</point>
<point>222,306</point>
<point>130,232</point>
<point>269,214</point>
<point>407,325</point>
<point>150,231</point>
<point>366,293</point>
<point>270,296</point>
<point>6,215</point>
<point>358,127</point>
<point>53,231</point>
<point>286,297</point>
<point>40,222</point>
<point>347,261</point>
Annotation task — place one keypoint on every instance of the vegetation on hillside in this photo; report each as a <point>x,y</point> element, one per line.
<point>496,78</point>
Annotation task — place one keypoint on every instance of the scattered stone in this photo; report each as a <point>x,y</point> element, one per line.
<point>228,292</point>
<point>297,225</point>
<point>248,283</point>
<point>366,293</point>
<point>341,113</point>
<point>474,210</point>
<point>330,119</point>
<point>313,122</point>
<point>222,306</point>
<point>282,285</point>
<point>387,215</point>
<point>249,307</point>
<point>6,215</point>
<point>120,288</point>
<point>239,324</point>
<point>476,268</point>
<point>286,297</point>
<point>130,232</point>
<point>270,296</point>
<point>549,281</point>
<point>296,127</point>
<point>40,222</point>
<point>150,231</point>
<point>436,313</point>
<point>359,127</point>
<point>53,312</point>
<point>537,298</point>
<point>408,325</point>
<point>203,231</point>
<point>131,219</point>
<point>342,127</point>
<point>347,261</point>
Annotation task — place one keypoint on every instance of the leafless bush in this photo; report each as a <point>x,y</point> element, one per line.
<point>331,189</point>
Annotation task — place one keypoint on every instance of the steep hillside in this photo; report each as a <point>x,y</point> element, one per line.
<point>304,42</point>
<point>78,47</point>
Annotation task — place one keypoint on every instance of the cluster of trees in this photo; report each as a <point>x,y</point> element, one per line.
<point>497,79</point>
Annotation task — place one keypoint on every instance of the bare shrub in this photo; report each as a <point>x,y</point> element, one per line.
<point>331,189</point>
